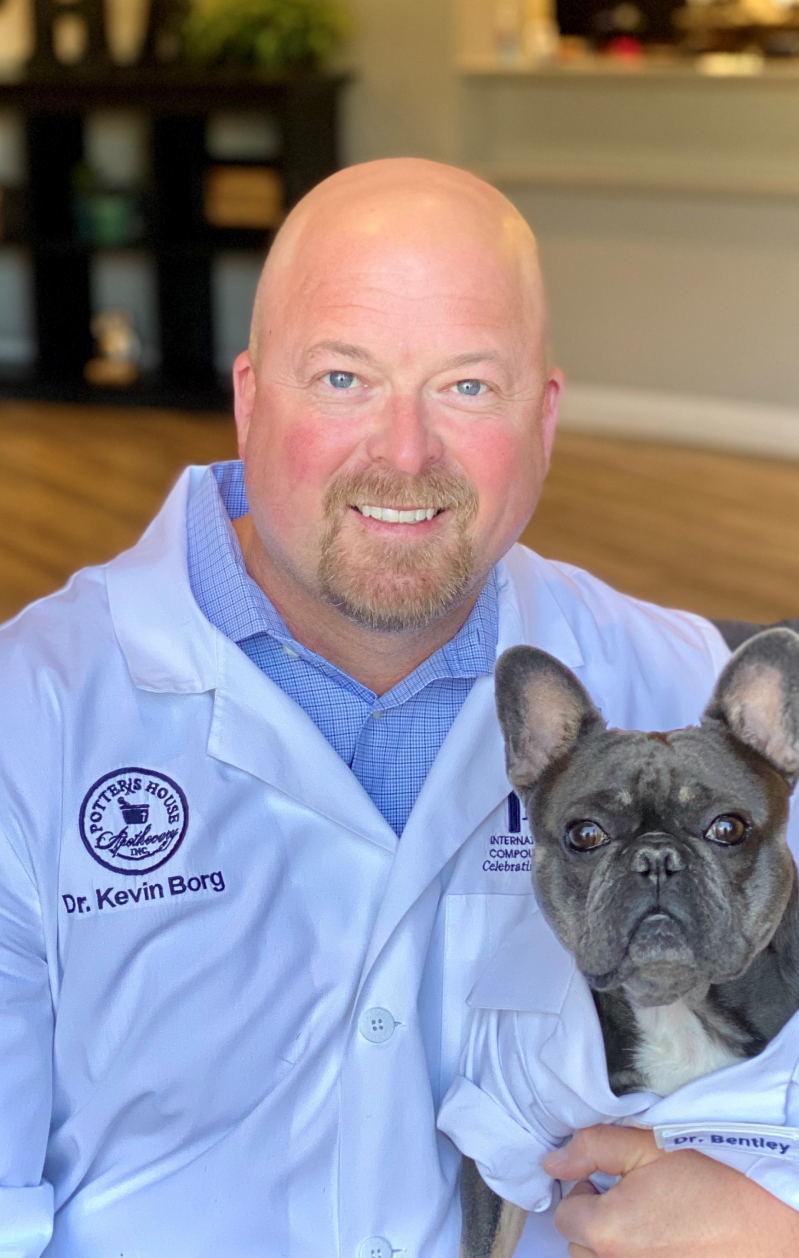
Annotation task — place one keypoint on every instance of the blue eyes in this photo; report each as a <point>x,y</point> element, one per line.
<point>345,380</point>
<point>341,379</point>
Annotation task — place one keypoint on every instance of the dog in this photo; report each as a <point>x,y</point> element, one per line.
<point>661,864</point>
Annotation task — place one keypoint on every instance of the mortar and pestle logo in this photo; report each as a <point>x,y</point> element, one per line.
<point>134,814</point>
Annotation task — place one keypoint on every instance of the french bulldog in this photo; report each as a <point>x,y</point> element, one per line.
<point>661,863</point>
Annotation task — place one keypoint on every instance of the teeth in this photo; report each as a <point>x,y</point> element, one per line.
<point>389,516</point>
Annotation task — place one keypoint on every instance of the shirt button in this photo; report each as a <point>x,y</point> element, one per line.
<point>375,1247</point>
<point>377,1026</point>
<point>378,715</point>
<point>291,653</point>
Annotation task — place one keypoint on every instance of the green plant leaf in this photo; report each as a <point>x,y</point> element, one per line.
<point>268,33</point>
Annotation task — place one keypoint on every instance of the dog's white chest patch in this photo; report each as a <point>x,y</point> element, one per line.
<point>675,1048</point>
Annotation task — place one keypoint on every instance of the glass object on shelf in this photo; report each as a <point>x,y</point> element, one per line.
<point>69,33</point>
<point>127,279</point>
<point>508,30</point>
<point>70,38</point>
<point>540,34</point>
<point>103,214</point>
<point>126,24</point>
<point>116,363</point>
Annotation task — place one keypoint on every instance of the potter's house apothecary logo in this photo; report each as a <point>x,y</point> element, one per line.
<point>133,820</point>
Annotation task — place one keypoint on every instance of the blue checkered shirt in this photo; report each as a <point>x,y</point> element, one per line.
<point>389,741</point>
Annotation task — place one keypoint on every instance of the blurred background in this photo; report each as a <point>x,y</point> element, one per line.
<point>149,149</point>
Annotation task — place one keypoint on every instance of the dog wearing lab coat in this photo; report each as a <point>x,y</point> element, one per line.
<point>661,864</point>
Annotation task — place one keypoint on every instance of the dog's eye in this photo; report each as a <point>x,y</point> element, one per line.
<point>727,829</point>
<point>584,836</point>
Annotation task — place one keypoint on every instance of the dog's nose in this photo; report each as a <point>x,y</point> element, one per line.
<point>657,858</point>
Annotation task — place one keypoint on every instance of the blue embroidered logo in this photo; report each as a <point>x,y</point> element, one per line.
<point>512,852</point>
<point>514,814</point>
<point>133,820</point>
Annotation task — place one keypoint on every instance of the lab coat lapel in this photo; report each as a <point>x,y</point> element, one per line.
<point>258,728</point>
<point>468,780</point>
<point>466,783</point>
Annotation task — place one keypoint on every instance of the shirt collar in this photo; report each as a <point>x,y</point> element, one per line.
<point>238,607</point>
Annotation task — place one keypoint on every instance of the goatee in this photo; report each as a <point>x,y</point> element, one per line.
<point>388,585</point>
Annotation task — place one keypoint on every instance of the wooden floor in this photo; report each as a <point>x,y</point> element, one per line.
<point>715,533</point>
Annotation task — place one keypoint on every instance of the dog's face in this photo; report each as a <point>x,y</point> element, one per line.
<point>660,859</point>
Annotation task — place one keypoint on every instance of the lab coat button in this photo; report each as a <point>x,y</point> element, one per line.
<point>377,1026</point>
<point>375,1246</point>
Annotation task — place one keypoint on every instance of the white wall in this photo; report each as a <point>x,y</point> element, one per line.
<point>673,267</point>
<point>405,96</point>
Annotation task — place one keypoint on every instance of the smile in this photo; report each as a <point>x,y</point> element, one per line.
<point>390,515</point>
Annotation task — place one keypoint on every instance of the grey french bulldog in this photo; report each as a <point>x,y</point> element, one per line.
<point>661,863</point>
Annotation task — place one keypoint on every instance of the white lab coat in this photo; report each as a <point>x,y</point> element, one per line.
<point>251,1067</point>
<point>534,1071</point>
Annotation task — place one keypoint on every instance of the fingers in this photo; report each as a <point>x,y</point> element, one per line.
<point>583,1189</point>
<point>577,1218</point>
<point>614,1150</point>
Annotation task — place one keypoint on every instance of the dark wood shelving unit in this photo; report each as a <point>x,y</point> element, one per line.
<point>177,102</point>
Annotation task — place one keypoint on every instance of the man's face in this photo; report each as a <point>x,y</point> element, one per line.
<point>399,379</point>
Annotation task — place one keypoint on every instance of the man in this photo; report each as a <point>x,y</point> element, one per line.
<point>256,838</point>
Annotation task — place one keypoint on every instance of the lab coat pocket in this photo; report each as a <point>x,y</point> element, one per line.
<point>475,925</point>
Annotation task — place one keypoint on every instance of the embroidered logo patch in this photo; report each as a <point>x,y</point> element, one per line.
<point>133,820</point>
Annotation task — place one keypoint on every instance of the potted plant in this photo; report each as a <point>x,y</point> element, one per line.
<point>270,34</point>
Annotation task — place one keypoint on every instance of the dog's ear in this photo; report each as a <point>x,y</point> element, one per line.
<point>757,698</point>
<point>542,709</point>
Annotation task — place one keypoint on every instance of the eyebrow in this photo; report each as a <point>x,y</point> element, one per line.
<point>477,356</point>
<point>363,355</point>
<point>346,351</point>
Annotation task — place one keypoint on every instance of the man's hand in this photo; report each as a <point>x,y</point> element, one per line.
<point>667,1205</point>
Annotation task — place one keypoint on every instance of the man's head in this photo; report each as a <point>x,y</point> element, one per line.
<point>397,362</point>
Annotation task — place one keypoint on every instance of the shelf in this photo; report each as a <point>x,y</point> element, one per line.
<point>153,390</point>
<point>181,243</point>
<point>603,68</point>
<point>180,90</point>
<point>217,240</point>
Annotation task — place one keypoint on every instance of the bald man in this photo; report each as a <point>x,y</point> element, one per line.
<point>256,837</point>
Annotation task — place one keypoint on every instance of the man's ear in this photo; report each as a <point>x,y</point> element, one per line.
<point>757,698</point>
<point>542,709</point>
<point>243,397</point>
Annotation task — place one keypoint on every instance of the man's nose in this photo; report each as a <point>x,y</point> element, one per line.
<point>656,857</point>
<point>406,438</point>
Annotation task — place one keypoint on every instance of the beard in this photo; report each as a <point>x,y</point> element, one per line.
<point>391,586</point>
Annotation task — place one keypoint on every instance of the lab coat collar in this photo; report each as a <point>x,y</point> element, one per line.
<point>167,642</point>
<point>532,613</point>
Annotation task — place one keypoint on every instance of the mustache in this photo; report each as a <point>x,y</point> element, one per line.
<point>435,490</point>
